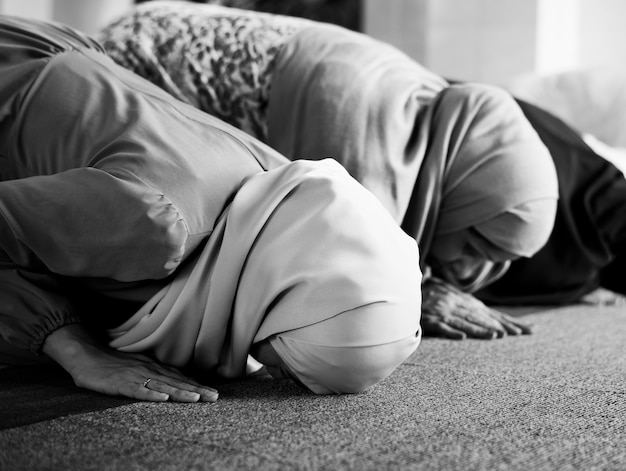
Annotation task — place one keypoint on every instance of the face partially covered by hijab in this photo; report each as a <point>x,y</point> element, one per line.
<point>499,187</point>
<point>333,273</point>
<point>305,260</point>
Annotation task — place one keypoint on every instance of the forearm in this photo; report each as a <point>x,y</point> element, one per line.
<point>69,346</point>
<point>95,366</point>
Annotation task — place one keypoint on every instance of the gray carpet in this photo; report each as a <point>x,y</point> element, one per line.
<point>554,400</point>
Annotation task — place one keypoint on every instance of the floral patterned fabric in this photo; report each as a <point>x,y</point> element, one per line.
<point>216,59</point>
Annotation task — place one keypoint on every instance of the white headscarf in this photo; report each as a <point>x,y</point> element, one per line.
<point>305,257</point>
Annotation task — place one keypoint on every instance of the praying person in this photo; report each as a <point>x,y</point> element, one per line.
<point>147,247</point>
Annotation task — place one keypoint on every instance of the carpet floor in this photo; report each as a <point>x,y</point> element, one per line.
<point>554,400</point>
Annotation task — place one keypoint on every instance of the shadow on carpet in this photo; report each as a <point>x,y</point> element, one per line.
<point>36,393</point>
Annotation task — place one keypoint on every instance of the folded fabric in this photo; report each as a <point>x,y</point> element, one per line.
<point>440,158</point>
<point>104,174</point>
<point>306,258</point>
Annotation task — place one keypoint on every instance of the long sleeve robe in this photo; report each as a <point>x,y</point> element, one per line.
<point>107,184</point>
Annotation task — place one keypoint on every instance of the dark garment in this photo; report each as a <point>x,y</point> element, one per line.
<point>587,247</point>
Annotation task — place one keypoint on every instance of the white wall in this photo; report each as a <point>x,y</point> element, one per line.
<point>86,15</point>
<point>558,35</point>
<point>485,40</point>
<point>603,32</point>
<point>496,40</point>
<point>38,9</point>
<point>402,23</point>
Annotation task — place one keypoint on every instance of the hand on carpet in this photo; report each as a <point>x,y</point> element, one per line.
<point>99,368</point>
<point>449,312</point>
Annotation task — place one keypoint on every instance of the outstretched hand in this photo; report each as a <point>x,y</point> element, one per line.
<point>100,368</point>
<point>449,312</point>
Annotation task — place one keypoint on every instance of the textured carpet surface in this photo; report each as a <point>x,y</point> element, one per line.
<point>29,395</point>
<point>554,400</point>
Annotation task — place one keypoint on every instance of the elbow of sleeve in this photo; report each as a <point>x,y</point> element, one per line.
<point>149,242</point>
<point>148,237</point>
<point>143,234</point>
<point>143,239</point>
<point>165,246</point>
<point>92,223</point>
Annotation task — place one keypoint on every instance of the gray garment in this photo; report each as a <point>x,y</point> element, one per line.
<point>105,180</point>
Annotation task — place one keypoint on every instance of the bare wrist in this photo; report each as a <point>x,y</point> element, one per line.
<point>66,345</point>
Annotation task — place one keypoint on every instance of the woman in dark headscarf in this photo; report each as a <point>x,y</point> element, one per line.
<point>459,167</point>
<point>180,241</point>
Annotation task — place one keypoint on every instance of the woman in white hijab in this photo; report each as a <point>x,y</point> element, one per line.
<point>305,261</point>
<point>180,241</point>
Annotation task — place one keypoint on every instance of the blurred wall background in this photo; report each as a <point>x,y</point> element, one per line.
<point>86,15</point>
<point>496,40</point>
<point>485,40</point>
